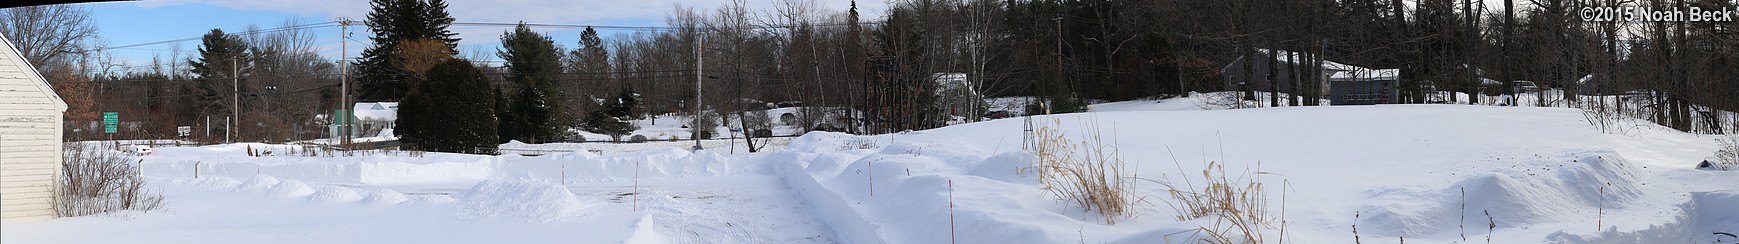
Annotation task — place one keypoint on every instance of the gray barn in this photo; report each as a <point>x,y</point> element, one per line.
<point>1345,84</point>
<point>1283,63</point>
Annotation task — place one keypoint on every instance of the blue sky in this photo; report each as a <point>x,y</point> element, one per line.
<point>128,23</point>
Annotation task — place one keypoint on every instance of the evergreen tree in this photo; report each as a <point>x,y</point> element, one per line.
<point>533,64</point>
<point>221,57</point>
<point>613,118</point>
<point>443,113</point>
<point>378,74</point>
<point>591,63</point>
<point>591,57</point>
<point>627,104</point>
<point>508,121</point>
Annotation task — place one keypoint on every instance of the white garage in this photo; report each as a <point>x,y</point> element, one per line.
<point>30,139</point>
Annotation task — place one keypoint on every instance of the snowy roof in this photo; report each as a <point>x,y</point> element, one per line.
<point>951,81</point>
<point>376,111</point>
<point>1336,70</point>
<point>1489,82</point>
<point>1365,73</point>
<point>1293,58</point>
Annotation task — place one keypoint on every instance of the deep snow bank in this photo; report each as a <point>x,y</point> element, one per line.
<point>444,168</point>
<point>914,192</point>
<point>1522,195</point>
<point>269,186</point>
<point>1710,217</point>
<point>1402,168</point>
<point>534,200</point>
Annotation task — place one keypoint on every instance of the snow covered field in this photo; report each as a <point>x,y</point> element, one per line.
<point>1543,174</point>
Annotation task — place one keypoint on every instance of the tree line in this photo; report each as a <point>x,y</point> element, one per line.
<point>879,72</point>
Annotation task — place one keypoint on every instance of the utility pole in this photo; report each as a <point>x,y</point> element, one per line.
<point>699,41</point>
<point>235,97</point>
<point>1059,19</point>
<point>344,78</point>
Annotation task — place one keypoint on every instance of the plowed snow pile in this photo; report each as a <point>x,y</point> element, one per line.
<point>1426,173</point>
<point>526,199</point>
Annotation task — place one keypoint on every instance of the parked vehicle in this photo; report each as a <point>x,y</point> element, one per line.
<point>1522,86</point>
<point>143,150</point>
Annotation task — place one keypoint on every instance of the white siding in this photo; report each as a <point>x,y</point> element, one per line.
<point>30,140</point>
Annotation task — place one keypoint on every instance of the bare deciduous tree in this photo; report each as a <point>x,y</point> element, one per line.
<point>48,34</point>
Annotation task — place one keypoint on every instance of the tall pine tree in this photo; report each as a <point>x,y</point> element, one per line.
<point>222,57</point>
<point>533,64</point>
<point>378,74</point>
<point>589,63</point>
<point>591,58</point>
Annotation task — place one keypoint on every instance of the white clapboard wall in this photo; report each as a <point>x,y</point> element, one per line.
<point>30,139</point>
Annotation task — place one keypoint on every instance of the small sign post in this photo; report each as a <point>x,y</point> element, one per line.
<point>110,120</point>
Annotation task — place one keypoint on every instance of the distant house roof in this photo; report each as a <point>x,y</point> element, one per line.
<point>952,81</point>
<point>1336,70</point>
<point>376,111</point>
<point>1366,73</point>
<point>1489,82</point>
<point>1294,58</point>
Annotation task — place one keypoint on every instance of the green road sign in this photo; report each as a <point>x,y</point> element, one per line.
<point>110,119</point>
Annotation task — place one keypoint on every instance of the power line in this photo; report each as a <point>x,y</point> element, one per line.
<point>275,29</point>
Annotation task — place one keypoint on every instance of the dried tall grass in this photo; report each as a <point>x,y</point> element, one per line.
<point>1088,172</point>
<point>1238,205</point>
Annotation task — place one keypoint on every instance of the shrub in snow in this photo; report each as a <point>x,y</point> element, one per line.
<point>602,123</point>
<point>1058,105</point>
<point>98,179</point>
<point>1222,101</point>
<point>1727,158</point>
<point>755,121</point>
<point>858,143</point>
<point>613,115</point>
<point>709,121</point>
<point>637,138</point>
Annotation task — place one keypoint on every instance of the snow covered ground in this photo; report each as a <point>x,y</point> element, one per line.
<point>670,126</point>
<point>1544,174</point>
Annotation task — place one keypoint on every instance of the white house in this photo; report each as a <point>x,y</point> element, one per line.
<point>30,139</point>
<point>373,117</point>
<point>956,97</point>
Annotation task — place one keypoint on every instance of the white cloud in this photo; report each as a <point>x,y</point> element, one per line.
<point>334,8</point>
